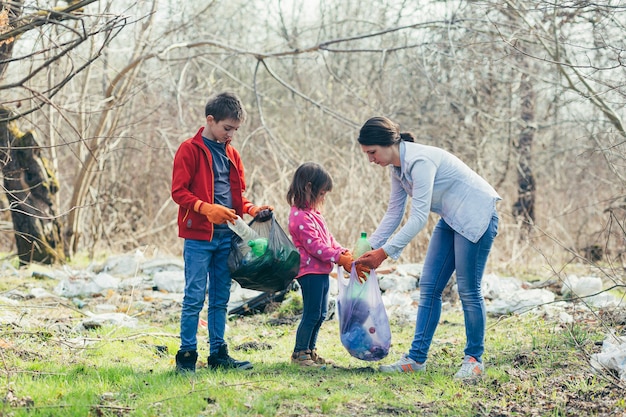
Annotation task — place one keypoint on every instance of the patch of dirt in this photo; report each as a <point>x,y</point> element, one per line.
<point>253,346</point>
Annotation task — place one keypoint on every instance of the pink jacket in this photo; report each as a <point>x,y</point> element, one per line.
<point>317,246</point>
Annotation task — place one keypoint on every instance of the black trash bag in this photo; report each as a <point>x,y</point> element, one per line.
<point>259,303</point>
<point>272,271</point>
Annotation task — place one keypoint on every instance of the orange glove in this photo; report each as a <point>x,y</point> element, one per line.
<point>261,213</point>
<point>216,213</point>
<point>254,210</point>
<point>345,260</point>
<point>372,259</point>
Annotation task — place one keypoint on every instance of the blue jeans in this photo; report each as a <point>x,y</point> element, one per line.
<point>449,251</point>
<point>205,263</point>
<point>314,289</point>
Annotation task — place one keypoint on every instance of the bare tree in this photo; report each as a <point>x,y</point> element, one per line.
<point>29,181</point>
<point>580,48</point>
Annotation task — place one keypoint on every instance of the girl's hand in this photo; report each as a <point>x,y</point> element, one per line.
<point>345,260</point>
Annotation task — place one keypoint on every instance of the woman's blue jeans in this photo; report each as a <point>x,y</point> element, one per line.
<point>449,251</point>
<point>314,289</point>
<point>205,263</point>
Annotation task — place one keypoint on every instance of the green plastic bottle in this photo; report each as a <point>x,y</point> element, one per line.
<point>258,246</point>
<point>362,246</point>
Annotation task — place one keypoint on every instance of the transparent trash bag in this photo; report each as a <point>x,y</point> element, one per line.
<point>363,323</point>
<point>271,271</point>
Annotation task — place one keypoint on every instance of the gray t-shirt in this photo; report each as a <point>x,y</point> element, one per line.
<point>221,172</point>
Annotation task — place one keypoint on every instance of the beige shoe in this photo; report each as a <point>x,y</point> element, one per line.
<point>303,358</point>
<point>319,360</point>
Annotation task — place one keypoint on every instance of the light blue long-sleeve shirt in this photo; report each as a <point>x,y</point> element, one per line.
<point>440,182</point>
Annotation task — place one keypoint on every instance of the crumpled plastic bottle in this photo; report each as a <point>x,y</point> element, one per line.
<point>258,245</point>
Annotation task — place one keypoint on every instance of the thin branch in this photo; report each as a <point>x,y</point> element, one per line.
<point>49,17</point>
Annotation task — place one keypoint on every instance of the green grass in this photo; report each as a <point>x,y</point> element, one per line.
<point>533,367</point>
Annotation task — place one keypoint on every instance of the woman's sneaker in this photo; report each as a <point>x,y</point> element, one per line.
<point>405,364</point>
<point>319,360</point>
<point>303,358</point>
<point>470,368</point>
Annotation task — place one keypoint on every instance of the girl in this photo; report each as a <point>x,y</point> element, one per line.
<point>440,182</point>
<point>318,251</point>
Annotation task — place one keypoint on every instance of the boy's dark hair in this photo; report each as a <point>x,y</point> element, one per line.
<point>303,195</point>
<point>224,106</point>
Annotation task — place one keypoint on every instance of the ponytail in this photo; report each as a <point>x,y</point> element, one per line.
<point>407,136</point>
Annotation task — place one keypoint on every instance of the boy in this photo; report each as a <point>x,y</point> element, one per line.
<point>208,184</point>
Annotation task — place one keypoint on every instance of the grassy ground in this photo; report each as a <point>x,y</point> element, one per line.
<point>534,367</point>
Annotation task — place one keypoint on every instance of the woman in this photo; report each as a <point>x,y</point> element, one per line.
<point>436,181</point>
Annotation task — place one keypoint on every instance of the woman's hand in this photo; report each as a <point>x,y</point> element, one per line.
<point>373,258</point>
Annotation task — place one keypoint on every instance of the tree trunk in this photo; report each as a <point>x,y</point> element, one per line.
<point>30,185</point>
<point>524,207</point>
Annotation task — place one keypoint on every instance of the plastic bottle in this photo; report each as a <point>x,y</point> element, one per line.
<point>362,246</point>
<point>258,246</point>
<point>244,231</point>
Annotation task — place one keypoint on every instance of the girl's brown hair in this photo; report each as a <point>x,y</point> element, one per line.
<point>309,181</point>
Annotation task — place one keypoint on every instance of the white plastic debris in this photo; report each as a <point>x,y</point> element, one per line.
<point>153,266</point>
<point>116,319</point>
<point>612,357</point>
<point>124,265</point>
<point>409,270</point>
<point>520,301</point>
<point>402,305</point>
<point>397,283</point>
<point>39,292</point>
<point>170,281</point>
<point>86,285</point>
<point>574,286</point>
<point>495,287</point>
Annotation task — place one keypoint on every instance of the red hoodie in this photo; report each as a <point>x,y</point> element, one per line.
<point>192,180</point>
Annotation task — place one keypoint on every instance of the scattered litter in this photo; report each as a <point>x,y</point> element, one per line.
<point>95,321</point>
<point>123,265</point>
<point>152,266</point>
<point>86,284</point>
<point>259,303</point>
<point>41,293</point>
<point>574,286</point>
<point>520,301</point>
<point>170,281</point>
<point>612,357</point>
<point>397,283</point>
<point>157,285</point>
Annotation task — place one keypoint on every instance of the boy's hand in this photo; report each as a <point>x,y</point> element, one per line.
<point>215,213</point>
<point>261,213</point>
<point>372,259</point>
<point>263,216</point>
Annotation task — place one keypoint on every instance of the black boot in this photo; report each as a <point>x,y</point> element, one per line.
<point>222,360</point>
<point>186,361</point>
